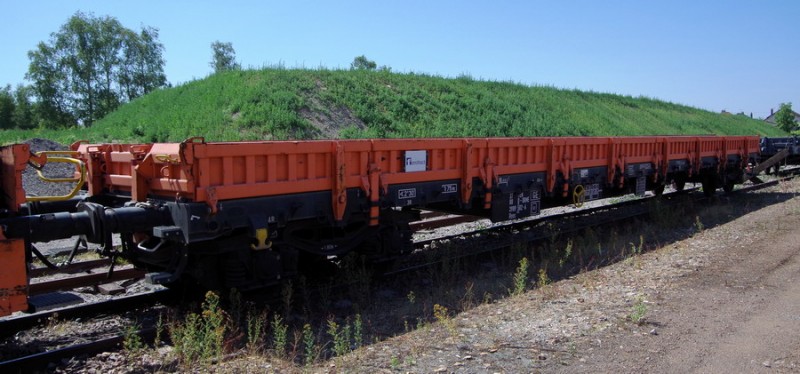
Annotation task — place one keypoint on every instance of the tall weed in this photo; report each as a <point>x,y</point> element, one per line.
<point>202,336</point>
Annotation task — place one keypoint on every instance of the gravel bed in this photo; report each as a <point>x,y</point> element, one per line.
<point>33,185</point>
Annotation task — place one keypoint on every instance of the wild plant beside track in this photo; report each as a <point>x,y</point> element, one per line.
<point>520,278</point>
<point>280,337</point>
<point>200,337</point>
<point>132,342</point>
<point>639,311</point>
<point>309,345</point>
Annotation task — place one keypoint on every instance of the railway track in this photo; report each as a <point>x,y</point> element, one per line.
<point>528,230</point>
<point>65,285</point>
<point>548,215</point>
<point>503,235</point>
<point>10,325</point>
<point>48,304</point>
<point>85,280</point>
<point>71,268</point>
<point>535,229</point>
<point>434,220</point>
<point>37,361</point>
<point>40,360</point>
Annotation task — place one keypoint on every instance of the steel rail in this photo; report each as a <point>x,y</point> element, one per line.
<point>12,324</point>
<point>85,280</point>
<point>41,360</point>
<point>70,268</point>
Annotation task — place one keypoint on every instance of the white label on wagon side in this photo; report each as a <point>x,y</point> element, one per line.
<point>408,193</point>
<point>416,161</point>
<point>449,188</point>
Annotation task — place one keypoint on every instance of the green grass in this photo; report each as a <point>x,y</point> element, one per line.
<point>277,103</point>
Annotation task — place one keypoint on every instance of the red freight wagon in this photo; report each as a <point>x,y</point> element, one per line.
<point>241,214</point>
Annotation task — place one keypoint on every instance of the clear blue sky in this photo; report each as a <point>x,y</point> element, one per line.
<point>740,56</point>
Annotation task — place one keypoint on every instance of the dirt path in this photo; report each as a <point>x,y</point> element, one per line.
<point>752,309</point>
<point>741,313</point>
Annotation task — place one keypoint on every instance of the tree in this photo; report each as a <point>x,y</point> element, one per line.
<point>362,63</point>
<point>142,70</point>
<point>92,65</point>
<point>24,108</point>
<point>7,108</point>
<point>51,87</point>
<point>16,108</point>
<point>784,118</point>
<point>223,57</point>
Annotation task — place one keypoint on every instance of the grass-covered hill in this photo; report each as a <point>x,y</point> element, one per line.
<point>304,104</point>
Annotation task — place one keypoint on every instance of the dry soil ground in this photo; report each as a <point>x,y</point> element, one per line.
<point>738,311</point>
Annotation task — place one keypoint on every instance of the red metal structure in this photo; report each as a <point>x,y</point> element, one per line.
<point>242,214</point>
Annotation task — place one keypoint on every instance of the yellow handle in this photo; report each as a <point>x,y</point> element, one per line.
<point>80,166</point>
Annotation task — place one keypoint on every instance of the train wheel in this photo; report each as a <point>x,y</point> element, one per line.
<point>659,189</point>
<point>315,267</point>
<point>679,184</point>
<point>709,186</point>
<point>728,186</point>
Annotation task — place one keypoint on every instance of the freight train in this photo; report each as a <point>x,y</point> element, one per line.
<point>245,214</point>
<point>790,146</point>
